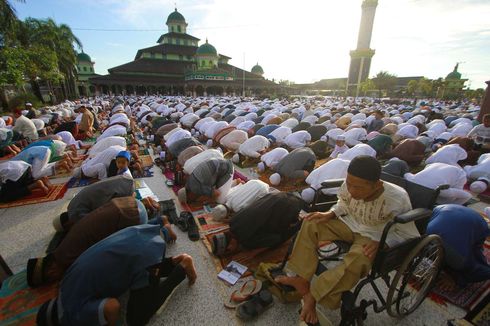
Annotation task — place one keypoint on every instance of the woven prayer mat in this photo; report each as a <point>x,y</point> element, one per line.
<point>143,151</point>
<point>146,160</point>
<point>146,174</point>
<point>19,303</point>
<point>285,186</point>
<point>37,197</point>
<point>467,297</point>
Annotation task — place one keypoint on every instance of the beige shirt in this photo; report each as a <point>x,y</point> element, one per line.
<point>370,218</point>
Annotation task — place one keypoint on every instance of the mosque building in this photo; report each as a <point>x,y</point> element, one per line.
<point>177,65</point>
<point>85,70</point>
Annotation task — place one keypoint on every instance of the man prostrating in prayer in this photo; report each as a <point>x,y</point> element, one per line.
<point>365,204</point>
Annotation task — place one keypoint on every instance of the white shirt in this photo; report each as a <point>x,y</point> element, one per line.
<point>105,157</point>
<point>355,136</point>
<point>26,127</point>
<point>334,133</point>
<point>280,134</point>
<point>68,138</point>
<point>408,131</point>
<point>194,161</point>
<point>180,134</point>
<point>461,129</point>
<point>273,157</point>
<point>235,122</point>
<point>189,119</point>
<point>338,150</point>
<point>215,128</point>
<point>234,139</point>
<point>449,154</point>
<point>438,174</point>
<point>482,170</point>
<point>246,125</point>
<point>298,139</point>
<point>291,123</point>
<point>115,130</point>
<point>246,194</point>
<point>437,129</point>
<point>359,149</point>
<point>105,143</point>
<point>252,146</point>
<point>171,132</point>
<point>12,170</point>
<point>333,169</point>
<point>201,122</point>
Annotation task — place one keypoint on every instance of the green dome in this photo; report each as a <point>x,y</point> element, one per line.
<point>175,17</point>
<point>257,70</point>
<point>207,49</point>
<point>83,57</point>
<point>454,74</point>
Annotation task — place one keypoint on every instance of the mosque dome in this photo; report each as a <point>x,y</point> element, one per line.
<point>83,57</point>
<point>207,49</point>
<point>175,17</point>
<point>454,74</point>
<point>257,70</point>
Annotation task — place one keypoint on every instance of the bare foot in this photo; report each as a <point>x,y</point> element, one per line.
<point>308,312</point>
<point>186,262</point>
<point>300,284</point>
<point>41,186</point>
<point>168,226</point>
<point>47,183</point>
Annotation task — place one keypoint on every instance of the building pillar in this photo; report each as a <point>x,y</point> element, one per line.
<point>485,104</point>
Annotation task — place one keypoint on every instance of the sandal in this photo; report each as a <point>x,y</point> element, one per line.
<point>254,307</point>
<point>248,289</point>
<point>181,221</point>
<point>220,243</point>
<point>192,229</point>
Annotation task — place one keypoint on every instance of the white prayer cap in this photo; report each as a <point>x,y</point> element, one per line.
<point>478,187</point>
<point>219,213</point>
<point>275,179</point>
<point>308,195</point>
<point>162,155</point>
<point>340,137</point>
<point>323,138</point>
<point>38,123</point>
<point>261,167</point>
<point>209,143</point>
<point>182,195</point>
<point>28,104</point>
<point>235,158</point>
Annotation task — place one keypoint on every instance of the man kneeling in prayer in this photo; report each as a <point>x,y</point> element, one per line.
<point>365,204</point>
<point>133,260</point>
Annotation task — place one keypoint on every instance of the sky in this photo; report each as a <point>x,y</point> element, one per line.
<point>301,41</point>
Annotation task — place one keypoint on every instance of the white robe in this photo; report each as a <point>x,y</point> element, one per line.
<point>115,130</point>
<point>253,146</point>
<point>333,169</point>
<point>359,149</point>
<point>234,139</point>
<point>273,157</point>
<point>449,154</point>
<point>105,143</point>
<point>280,134</point>
<point>180,134</point>
<point>246,194</point>
<point>194,161</point>
<point>355,136</point>
<point>298,139</point>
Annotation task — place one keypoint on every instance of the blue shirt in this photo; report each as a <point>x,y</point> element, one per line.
<point>107,270</point>
<point>266,130</point>
<point>28,155</point>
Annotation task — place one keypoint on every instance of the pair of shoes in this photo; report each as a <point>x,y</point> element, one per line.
<point>182,221</point>
<point>255,306</point>
<point>192,228</point>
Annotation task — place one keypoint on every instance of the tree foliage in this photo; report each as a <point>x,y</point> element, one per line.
<point>384,81</point>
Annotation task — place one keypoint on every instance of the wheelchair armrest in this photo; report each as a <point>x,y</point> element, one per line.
<point>413,215</point>
<point>334,183</point>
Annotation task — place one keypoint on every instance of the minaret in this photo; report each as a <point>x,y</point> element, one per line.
<point>360,61</point>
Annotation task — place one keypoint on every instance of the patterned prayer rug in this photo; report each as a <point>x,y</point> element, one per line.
<point>19,303</point>
<point>146,160</point>
<point>285,186</point>
<point>80,182</point>
<point>37,197</point>
<point>69,173</point>
<point>146,174</point>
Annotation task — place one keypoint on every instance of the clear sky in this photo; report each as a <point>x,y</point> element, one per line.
<point>303,41</point>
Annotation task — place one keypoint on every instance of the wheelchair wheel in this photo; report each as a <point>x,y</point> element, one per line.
<point>415,277</point>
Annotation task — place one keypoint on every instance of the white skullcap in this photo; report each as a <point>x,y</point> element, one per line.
<point>235,158</point>
<point>209,143</point>
<point>193,131</point>
<point>57,224</point>
<point>261,167</point>
<point>162,155</point>
<point>182,194</point>
<point>219,213</point>
<point>323,138</point>
<point>275,179</point>
<point>308,195</point>
<point>478,187</point>
<point>340,137</point>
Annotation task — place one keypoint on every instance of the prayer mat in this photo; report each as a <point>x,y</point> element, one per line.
<point>480,315</point>
<point>248,163</point>
<point>467,297</point>
<point>285,186</point>
<point>146,160</point>
<point>19,303</point>
<point>319,163</point>
<point>144,151</point>
<point>146,174</point>
<point>69,173</point>
<point>80,182</point>
<point>37,196</point>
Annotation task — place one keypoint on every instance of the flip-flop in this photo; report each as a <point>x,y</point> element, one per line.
<point>181,221</point>
<point>192,228</point>
<point>248,289</point>
<point>254,307</point>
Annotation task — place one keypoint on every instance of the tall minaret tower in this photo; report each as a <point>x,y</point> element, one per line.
<point>360,61</point>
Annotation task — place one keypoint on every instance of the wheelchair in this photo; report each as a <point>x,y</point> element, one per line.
<point>415,263</point>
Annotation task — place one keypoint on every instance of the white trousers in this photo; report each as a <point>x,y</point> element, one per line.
<point>224,190</point>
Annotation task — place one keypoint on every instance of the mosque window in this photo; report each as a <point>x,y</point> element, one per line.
<point>91,69</point>
<point>178,41</point>
<point>152,55</point>
<point>84,68</point>
<point>178,28</point>
<point>210,62</point>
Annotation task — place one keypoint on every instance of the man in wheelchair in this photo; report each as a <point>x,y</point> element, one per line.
<point>365,205</point>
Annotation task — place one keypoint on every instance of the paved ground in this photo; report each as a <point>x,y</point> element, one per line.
<point>25,232</point>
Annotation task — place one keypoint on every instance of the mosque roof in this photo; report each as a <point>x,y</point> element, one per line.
<point>454,74</point>
<point>147,65</point>
<point>207,49</point>
<point>83,57</point>
<point>257,69</point>
<point>175,17</point>
<point>169,48</point>
<point>182,36</point>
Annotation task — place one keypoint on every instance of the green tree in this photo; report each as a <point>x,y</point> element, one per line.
<point>367,86</point>
<point>412,87</point>
<point>384,81</point>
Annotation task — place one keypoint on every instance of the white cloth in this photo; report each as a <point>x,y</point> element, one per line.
<point>97,165</point>
<point>235,122</point>
<point>359,149</point>
<point>189,119</point>
<point>41,166</point>
<point>105,143</point>
<point>215,128</point>
<point>26,128</point>
<point>291,123</point>
<point>449,154</point>
<point>12,170</point>
<point>333,169</point>
<point>68,138</point>
<point>224,190</point>
<point>115,130</point>
<point>298,139</point>
<point>462,129</point>
<point>194,161</point>
<point>481,170</point>
<point>245,194</point>
<point>246,125</point>
<point>338,150</point>
<point>171,132</point>
<point>253,146</point>
<point>280,134</point>
<point>408,131</point>
<point>438,174</point>
<point>201,122</point>
<point>180,134</point>
<point>233,140</point>
<point>273,157</point>
<point>355,136</point>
